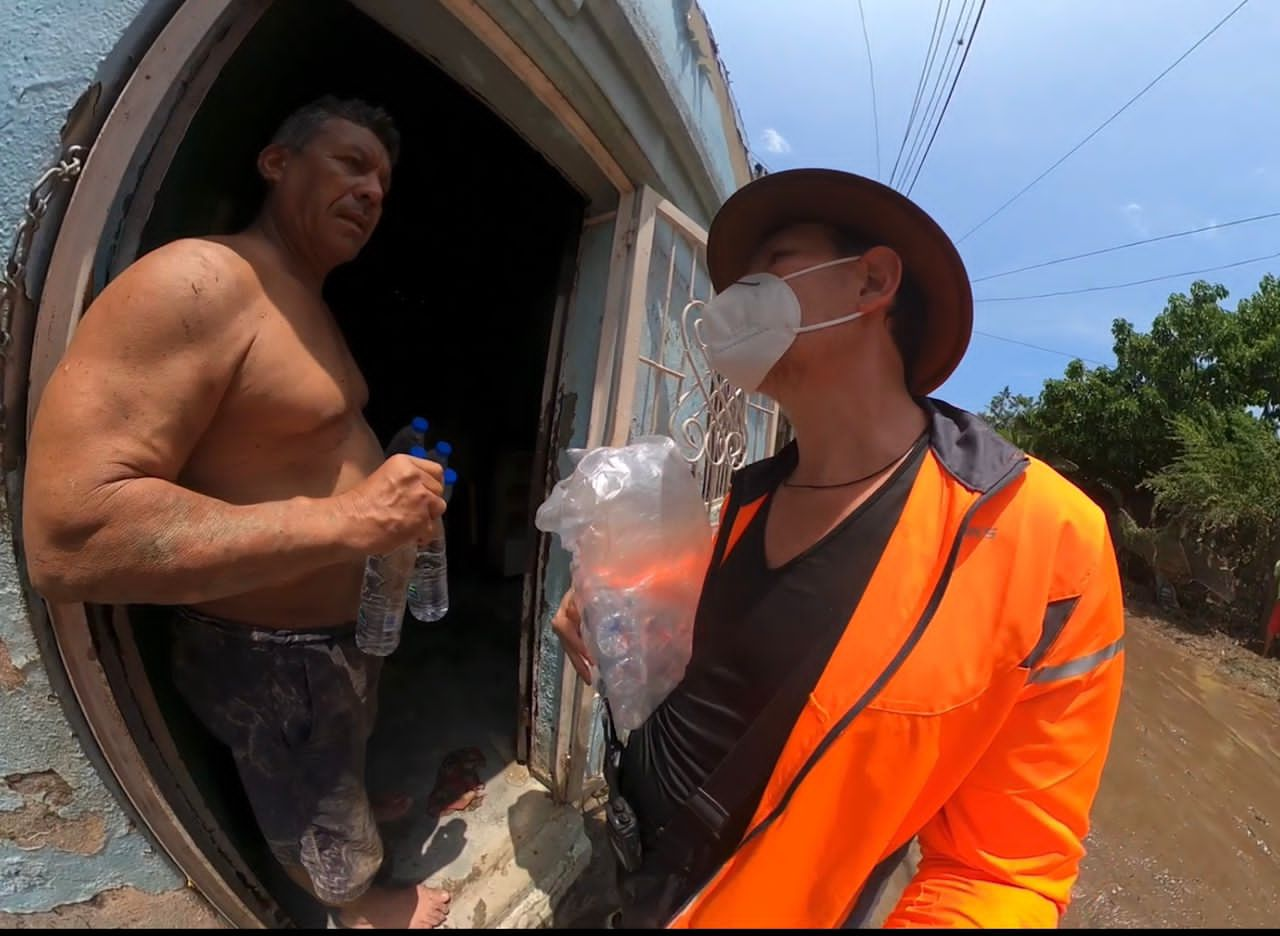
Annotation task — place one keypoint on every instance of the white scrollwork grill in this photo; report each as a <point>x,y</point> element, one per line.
<point>716,426</point>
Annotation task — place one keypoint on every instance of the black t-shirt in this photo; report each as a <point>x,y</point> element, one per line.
<point>754,625</point>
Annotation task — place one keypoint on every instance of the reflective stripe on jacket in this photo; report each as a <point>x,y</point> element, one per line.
<point>999,591</point>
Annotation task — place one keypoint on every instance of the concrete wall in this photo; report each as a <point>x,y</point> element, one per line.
<point>675,33</point>
<point>63,836</point>
<point>643,74</point>
<point>43,70</point>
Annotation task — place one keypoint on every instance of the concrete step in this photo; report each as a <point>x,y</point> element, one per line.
<point>507,861</point>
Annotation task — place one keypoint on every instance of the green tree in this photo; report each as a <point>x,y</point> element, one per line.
<point>1225,483</point>
<point>1182,430</point>
<point>1009,414</point>
<point>1198,358</point>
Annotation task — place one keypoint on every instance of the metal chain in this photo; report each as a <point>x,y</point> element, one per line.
<point>13,276</point>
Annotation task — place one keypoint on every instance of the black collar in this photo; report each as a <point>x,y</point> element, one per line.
<point>967,448</point>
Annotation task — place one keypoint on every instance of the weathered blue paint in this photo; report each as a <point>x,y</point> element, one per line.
<point>35,881</point>
<point>669,30</point>
<point>35,738</point>
<point>50,52</point>
<point>643,76</point>
<point>577,382</point>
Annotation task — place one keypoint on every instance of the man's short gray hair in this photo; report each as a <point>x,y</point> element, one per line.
<point>299,127</point>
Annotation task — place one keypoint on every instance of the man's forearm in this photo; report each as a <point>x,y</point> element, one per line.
<point>155,542</point>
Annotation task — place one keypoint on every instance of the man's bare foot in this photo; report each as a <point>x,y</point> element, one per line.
<point>418,907</point>
<point>391,807</point>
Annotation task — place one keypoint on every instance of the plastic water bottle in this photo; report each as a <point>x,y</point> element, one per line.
<point>440,452</point>
<point>413,434</point>
<point>430,558</point>
<point>383,593</point>
<point>429,585</point>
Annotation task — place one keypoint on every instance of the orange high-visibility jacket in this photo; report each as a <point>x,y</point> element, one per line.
<point>1000,585</point>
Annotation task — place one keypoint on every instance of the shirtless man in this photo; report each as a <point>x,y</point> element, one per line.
<point>202,445</point>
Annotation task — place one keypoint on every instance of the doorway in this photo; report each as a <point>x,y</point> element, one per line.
<point>451,312</point>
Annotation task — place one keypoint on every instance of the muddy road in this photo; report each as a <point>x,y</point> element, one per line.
<point>1186,829</point>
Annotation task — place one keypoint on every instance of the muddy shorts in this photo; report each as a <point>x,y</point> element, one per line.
<point>296,709</point>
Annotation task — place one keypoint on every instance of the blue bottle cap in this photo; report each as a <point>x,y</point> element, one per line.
<point>418,452</point>
<point>444,448</point>
<point>450,477</point>
<point>419,424</point>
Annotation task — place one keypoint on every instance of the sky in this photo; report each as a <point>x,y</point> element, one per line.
<point>1200,148</point>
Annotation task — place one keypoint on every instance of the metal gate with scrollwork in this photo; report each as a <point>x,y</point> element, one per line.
<point>665,384</point>
<point>652,377</point>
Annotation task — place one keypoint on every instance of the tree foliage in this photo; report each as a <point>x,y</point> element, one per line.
<point>1183,428</point>
<point>1225,482</point>
<point>1198,358</point>
<point>1009,414</point>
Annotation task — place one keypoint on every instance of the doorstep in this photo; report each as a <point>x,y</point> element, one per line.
<point>507,861</point>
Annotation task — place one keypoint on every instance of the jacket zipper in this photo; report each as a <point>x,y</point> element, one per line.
<point>1015,471</point>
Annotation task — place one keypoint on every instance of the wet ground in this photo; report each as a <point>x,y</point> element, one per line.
<point>1186,828</point>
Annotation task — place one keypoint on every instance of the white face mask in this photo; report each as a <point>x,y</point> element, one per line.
<point>749,327</point>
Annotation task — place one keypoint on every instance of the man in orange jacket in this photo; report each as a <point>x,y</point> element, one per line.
<point>910,630</point>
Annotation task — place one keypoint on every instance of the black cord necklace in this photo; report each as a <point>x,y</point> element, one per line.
<point>841,484</point>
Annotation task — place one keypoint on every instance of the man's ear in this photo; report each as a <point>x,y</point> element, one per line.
<point>884,277</point>
<point>272,162</point>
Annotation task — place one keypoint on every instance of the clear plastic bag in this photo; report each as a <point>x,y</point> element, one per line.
<point>634,522</point>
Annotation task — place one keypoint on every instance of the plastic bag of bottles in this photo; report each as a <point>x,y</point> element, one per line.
<point>634,521</point>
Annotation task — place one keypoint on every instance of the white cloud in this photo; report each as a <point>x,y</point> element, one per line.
<point>775,142</point>
<point>1136,217</point>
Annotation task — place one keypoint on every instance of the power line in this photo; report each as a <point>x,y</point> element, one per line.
<point>1069,153</point>
<point>1137,243</point>
<point>930,101</point>
<point>939,17</point>
<point>947,103</point>
<point>935,93</point>
<point>875,108</point>
<point>1141,282</point>
<point>1036,347</point>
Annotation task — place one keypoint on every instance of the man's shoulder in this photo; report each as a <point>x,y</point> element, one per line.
<point>188,283</point>
<point>191,295</point>
<point>195,269</point>
<point>206,266</point>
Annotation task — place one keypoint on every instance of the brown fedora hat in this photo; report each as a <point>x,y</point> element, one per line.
<point>867,209</point>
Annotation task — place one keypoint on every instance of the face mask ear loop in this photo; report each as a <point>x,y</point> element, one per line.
<point>813,269</point>
<point>821,266</point>
<point>831,324</point>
